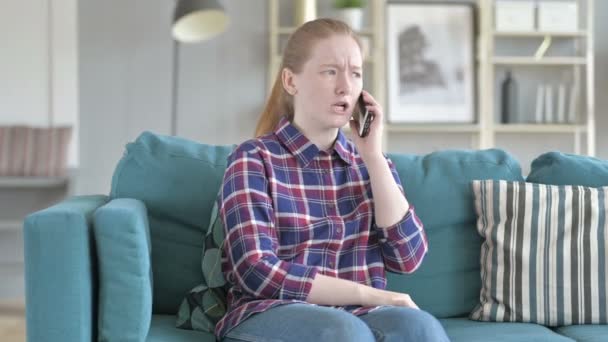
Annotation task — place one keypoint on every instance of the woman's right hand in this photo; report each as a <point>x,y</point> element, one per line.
<point>373,297</point>
<point>401,299</point>
<point>327,290</point>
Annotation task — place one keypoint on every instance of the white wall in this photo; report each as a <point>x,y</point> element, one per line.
<point>38,65</point>
<point>601,77</point>
<point>125,81</point>
<point>23,63</point>
<point>65,70</point>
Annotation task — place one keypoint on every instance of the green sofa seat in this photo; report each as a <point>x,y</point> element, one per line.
<point>465,330</point>
<point>163,329</point>
<point>585,333</point>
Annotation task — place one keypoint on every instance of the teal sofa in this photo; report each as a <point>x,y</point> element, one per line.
<point>117,266</point>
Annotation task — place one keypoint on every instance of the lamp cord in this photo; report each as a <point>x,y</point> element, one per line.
<point>50,64</point>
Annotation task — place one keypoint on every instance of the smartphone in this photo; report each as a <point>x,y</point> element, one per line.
<point>365,117</point>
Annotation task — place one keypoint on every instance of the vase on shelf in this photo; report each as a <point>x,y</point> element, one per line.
<point>351,12</point>
<point>304,10</point>
<point>509,99</point>
<point>353,17</point>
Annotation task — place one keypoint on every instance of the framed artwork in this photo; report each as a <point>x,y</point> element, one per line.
<point>430,62</point>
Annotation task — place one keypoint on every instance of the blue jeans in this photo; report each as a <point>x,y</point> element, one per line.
<point>301,322</point>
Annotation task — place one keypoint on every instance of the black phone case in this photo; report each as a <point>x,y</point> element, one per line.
<point>365,118</point>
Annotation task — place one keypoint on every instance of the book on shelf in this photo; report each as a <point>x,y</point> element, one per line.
<point>540,96</point>
<point>27,151</point>
<point>548,104</point>
<point>561,104</point>
<point>573,104</point>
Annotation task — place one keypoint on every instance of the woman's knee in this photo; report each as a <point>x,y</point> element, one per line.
<point>303,322</point>
<point>337,325</point>
<point>405,324</point>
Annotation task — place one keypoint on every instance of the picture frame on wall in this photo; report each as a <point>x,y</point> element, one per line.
<point>430,62</point>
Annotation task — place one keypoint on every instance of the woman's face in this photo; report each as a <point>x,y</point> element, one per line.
<point>329,84</point>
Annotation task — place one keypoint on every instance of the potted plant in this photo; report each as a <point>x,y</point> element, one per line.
<point>351,12</point>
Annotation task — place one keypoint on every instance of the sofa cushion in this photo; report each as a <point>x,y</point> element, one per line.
<point>568,169</point>
<point>544,254</point>
<point>163,329</point>
<point>177,179</point>
<point>438,185</point>
<point>464,330</point>
<point>122,238</point>
<point>176,262</point>
<point>585,333</point>
<point>212,255</point>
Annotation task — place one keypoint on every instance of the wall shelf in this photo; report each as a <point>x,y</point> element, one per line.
<point>539,128</point>
<point>32,182</point>
<point>291,29</point>
<point>533,34</point>
<point>566,61</point>
<point>12,306</point>
<point>433,128</point>
<point>285,29</point>
<point>277,59</point>
<point>10,225</point>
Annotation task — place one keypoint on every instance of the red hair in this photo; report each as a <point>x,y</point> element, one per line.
<point>296,54</point>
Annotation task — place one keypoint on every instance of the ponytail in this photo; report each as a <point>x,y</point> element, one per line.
<point>279,103</point>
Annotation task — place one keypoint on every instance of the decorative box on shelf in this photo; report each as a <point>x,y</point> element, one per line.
<point>515,16</point>
<point>558,16</point>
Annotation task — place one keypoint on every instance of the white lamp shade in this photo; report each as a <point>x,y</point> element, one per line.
<point>197,20</point>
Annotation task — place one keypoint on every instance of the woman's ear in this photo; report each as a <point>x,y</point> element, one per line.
<point>287,76</point>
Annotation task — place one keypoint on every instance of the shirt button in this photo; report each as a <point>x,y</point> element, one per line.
<point>339,230</point>
<point>331,264</point>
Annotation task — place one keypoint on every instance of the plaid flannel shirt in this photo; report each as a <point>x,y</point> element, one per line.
<point>291,211</point>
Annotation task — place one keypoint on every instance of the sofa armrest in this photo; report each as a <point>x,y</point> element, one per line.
<point>122,237</point>
<point>60,271</point>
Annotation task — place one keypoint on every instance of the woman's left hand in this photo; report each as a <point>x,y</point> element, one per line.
<point>371,146</point>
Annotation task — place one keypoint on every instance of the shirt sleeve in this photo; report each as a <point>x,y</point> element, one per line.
<point>404,243</point>
<point>251,242</point>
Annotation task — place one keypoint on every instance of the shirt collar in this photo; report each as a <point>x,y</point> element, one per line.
<point>343,147</point>
<point>303,149</point>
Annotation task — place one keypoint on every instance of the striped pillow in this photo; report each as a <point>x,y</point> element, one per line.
<point>544,255</point>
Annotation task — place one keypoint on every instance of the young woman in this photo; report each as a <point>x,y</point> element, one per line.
<point>313,219</point>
